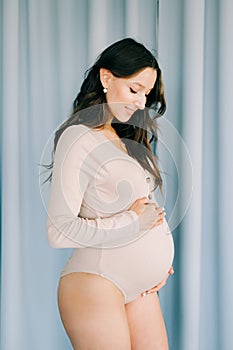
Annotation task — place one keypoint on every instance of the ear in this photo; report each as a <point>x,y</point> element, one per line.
<point>105,77</point>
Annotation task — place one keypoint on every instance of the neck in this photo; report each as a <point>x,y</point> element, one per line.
<point>109,127</point>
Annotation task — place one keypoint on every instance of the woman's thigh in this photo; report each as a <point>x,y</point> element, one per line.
<point>93,312</point>
<point>146,324</point>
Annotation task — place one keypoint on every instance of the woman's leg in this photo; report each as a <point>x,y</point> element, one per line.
<point>146,324</point>
<point>93,312</point>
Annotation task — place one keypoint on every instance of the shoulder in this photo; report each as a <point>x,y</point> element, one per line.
<point>76,142</point>
<point>75,136</point>
<point>72,140</point>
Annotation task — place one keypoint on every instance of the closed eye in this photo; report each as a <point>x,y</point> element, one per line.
<point>133,91</point>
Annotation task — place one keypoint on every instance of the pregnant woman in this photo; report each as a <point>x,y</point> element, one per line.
<point>102,205</point>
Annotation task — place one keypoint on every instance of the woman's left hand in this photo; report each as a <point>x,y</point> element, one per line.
<point>160,285</point>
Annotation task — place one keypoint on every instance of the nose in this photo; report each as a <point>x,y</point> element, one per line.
<point>140,101</point>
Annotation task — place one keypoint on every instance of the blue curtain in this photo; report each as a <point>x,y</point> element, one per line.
<point>46,46</point>
<point>196,53</point>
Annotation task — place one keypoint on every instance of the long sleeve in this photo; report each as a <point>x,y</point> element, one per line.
<point>71,179</point>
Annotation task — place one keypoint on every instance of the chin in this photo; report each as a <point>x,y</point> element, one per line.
<point>123,120</point>
<point>124,117</point>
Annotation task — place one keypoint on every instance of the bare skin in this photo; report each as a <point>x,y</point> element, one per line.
<point>93,312</point>
<point>146,324</point>
<point>95,317</point>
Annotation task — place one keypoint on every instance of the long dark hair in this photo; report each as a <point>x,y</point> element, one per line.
<point>123,59</point>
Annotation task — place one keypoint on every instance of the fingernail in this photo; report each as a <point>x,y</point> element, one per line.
<point>144,294</point>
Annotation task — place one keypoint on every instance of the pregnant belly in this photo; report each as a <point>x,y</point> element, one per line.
<point>141,264</point>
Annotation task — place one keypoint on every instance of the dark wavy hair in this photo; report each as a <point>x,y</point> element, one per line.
<point>123,59</point>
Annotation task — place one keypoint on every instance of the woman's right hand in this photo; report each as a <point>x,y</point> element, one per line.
<point>149,214</point>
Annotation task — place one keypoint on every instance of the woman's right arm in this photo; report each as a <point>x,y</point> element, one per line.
<point>65,229</point>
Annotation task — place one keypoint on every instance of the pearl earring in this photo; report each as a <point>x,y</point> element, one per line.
<point>105,90</point>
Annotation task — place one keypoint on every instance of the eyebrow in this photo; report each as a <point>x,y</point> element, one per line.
<point>141,85</point>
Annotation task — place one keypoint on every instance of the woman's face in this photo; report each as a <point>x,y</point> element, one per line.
<point>125,95</point>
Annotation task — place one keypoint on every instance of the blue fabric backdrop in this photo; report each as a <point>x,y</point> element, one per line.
<point>45,47</point>
<point>196,53</point>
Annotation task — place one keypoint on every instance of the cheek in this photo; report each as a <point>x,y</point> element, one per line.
<point>118,94</point>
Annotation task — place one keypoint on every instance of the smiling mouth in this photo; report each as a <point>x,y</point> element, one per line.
<point>130,110</point>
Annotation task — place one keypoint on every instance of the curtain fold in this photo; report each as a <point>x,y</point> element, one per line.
<point>225,173</point>
<point>197,62</point>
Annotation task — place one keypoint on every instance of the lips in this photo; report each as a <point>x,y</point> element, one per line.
<point>129,110</point>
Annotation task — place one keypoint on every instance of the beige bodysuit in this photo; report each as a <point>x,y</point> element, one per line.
<point>94,184</point>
